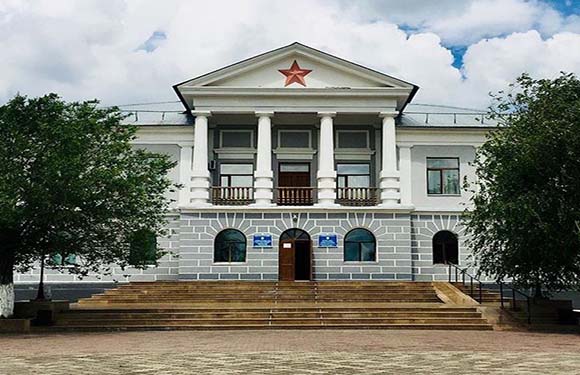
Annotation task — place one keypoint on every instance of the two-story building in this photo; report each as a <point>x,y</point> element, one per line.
<point>299,165</point>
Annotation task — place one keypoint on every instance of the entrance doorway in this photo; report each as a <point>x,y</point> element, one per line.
<point>294,184</point>
<point>295,256</point>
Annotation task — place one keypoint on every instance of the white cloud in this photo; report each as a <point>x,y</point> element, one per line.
<point>91,49</point>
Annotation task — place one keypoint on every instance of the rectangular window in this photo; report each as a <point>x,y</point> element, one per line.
<point>353,139</point>
<point>236,139</point>
<point>443,176</point>
<point>69,260</point>
<point>353,175</point>
<point>294,139</point>
<point>237,175</point>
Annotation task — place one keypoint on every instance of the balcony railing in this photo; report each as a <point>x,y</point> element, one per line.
<point>358,196</point>
<point>228,196</point>
<point>295,196</point>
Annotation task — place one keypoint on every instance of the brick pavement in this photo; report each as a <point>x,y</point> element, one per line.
<point>291,352</point>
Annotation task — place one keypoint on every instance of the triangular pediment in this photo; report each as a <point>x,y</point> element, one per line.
<point>326,71</point>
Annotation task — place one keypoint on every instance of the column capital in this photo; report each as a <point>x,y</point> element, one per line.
<point>201,113</point>
<point>264,113</point>
<point>326,114</point>
<point>405,145</point>
<point>388,114</point>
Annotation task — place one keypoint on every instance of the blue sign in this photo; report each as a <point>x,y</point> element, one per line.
<point>262,240</point>
<point>327,240</point>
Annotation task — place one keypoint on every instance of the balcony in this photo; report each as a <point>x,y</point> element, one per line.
<point>232,196</point>
<point>295,196</point>
<point>358,196</point>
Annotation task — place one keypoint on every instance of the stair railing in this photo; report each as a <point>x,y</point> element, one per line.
<point>463,272</point>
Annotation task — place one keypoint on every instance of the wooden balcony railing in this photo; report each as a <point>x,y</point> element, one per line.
<point>358,196</point>
<point>228,196</point>
<point>295,196</point>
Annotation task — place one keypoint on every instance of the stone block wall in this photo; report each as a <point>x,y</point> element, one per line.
<point>423,228</point>
<point>392,232</point>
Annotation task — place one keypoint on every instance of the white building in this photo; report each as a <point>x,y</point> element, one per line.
<point>300,165</point>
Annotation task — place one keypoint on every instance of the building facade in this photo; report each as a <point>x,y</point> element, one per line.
<point>298,165</point>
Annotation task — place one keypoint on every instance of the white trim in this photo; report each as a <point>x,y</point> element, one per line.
<point>382,92</point>
<point>348,154</point>
<point>293,209</point>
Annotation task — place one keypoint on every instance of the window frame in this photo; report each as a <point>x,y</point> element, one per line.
<point>230,175</point>
<point>374,242</point>
<point>444,252</point>
<point>279,138</point>
<point>63,263</point>
<point>440,171</point>
<point>338,175</point>
<point>229,261</point>
<point>337,139</point>
<point>221,138</point>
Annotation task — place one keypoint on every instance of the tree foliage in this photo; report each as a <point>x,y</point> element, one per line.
<point>525,222</point>
<point>70,183</point>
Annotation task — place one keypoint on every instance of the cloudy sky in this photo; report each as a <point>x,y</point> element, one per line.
<point>132,51</point>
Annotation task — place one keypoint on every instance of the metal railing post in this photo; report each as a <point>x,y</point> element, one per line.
<point>513,299</point>
<point>449,271</point>
<point>471,287</point>
<point>463,277</point>
<point>480,293</point>
<point>455,274</point>
<point>501,293</point>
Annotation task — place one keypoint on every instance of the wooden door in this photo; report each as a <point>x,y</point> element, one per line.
<point>286,260</point>
<point>294,175</point>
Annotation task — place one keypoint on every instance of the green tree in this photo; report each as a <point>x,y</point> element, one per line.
<point>525,221</point>
<point>71,184</point>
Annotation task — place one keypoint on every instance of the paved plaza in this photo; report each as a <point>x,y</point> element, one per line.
<point>291,352</point>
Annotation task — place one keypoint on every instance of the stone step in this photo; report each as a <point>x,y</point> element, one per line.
<point>267,314</point>
<point>418,326</point>
<point>271,321</point>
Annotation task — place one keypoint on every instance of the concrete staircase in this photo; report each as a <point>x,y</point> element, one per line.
<point>270,305</point>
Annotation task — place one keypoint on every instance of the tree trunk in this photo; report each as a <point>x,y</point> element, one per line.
<point>538,291</point>
<point>6,282</point>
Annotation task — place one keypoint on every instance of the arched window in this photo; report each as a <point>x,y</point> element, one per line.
<point>360,246</point>
<point>230,246</point>
<point>445,248</point>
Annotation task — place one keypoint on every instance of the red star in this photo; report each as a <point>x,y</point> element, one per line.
<point>295,74</point>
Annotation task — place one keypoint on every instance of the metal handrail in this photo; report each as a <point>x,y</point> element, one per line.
<point>500,283</point>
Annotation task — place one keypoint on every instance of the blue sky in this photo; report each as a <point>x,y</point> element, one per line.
<point>127,51</point>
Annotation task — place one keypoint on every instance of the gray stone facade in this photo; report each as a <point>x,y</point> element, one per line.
<point>392,233</point>
<point>403,252</point>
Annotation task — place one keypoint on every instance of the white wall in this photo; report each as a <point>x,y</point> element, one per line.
<point>420,198</point>
<point>173,152</point>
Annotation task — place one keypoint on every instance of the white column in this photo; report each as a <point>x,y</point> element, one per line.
<point>405,166</point>
<point>263,176</point>
<point>390,185</point>
<point>200,173</point>
<point>326,176</point>
<point>185,160</point>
